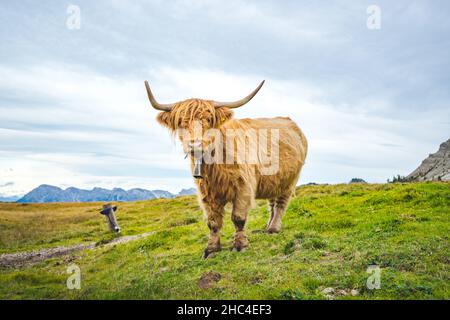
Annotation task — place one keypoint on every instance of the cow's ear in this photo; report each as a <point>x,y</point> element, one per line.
<point>164,119</point>
<point>223,115</point>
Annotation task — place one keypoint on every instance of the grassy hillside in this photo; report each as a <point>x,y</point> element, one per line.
<point>331,235</point>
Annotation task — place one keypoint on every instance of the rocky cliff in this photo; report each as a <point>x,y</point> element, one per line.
<point>434,168</point>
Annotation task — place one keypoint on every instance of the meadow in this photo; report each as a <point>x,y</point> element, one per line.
<point>331,235</point>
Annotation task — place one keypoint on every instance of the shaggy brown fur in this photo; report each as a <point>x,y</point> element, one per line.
<point>235,183</point>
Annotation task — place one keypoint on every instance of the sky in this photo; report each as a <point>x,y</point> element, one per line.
<point>372,99</point>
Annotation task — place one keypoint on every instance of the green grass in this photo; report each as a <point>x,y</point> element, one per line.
<point>331,234</point>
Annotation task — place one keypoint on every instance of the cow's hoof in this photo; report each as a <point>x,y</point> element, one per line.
<point>240,241</point>
<point>239,248</point>
<point>273,230</point>
<point>210,252</point>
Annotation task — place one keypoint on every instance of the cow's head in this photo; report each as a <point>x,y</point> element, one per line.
<point>109,212</point>
<point>189,117</point>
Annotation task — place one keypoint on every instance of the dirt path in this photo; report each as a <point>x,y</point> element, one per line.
<point>21,259</point>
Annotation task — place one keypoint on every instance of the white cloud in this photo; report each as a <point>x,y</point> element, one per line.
<point>87,129</point>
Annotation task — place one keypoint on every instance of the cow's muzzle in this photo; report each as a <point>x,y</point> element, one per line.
<point>197,174</point>
<point>195,149</point>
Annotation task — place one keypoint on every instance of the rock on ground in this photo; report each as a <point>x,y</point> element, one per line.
<point>208,279</point>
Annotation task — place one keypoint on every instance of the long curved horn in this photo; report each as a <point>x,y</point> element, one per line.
<point>239,103</point>
<point>155,104</point>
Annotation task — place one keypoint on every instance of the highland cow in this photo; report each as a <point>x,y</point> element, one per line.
<point>236,180</point>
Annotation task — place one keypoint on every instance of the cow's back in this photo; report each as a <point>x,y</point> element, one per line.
<point>283,175</point>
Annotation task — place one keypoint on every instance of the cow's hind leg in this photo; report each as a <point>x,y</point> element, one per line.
<point>215,221</point>
<point>279,210</point>
<point>271,212</point>
<point>239,217</point>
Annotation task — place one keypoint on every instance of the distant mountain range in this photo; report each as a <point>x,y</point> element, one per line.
<point>9,199</point>
<point>47,193</point>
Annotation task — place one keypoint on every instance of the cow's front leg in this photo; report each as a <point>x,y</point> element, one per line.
<point>215,221</point>
<point>239,217</point>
